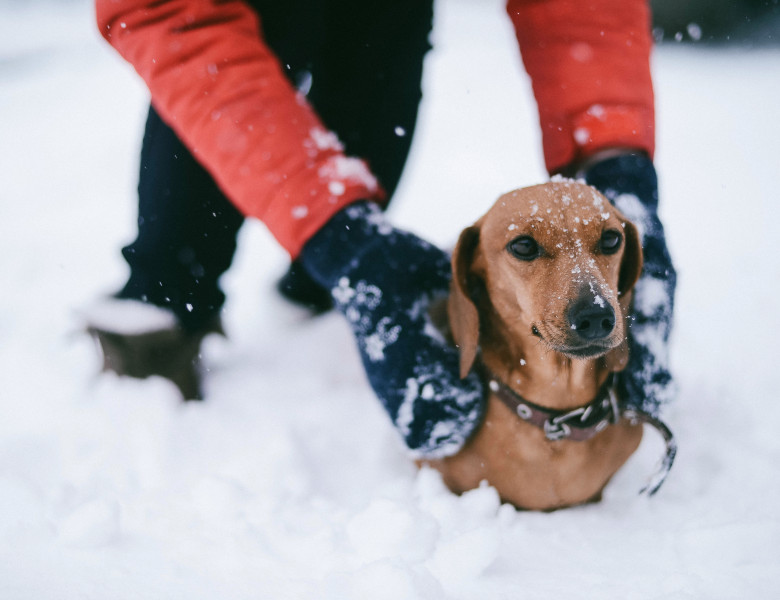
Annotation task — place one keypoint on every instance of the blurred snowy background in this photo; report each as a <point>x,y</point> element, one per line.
<point>289,482</point>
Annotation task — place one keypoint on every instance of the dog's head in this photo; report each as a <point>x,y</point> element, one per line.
<point>555,261</point>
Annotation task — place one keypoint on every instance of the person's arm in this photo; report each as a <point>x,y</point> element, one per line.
<point>214,81</point>
<point>221,89</point>
<point>588,61</point>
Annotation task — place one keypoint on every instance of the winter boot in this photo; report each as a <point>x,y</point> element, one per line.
<point>140,340</point>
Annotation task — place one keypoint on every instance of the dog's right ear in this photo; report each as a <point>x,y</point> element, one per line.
<point>461,309</point>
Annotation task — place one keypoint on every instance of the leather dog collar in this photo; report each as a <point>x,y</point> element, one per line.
<point>578,424</point>
<point>582,423</point>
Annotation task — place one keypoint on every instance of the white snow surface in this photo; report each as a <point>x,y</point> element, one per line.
<point>289,481</point>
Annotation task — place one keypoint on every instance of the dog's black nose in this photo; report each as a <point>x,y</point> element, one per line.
<point>592,318</point>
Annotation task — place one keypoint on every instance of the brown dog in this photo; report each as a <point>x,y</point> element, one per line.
<point>540,292</point>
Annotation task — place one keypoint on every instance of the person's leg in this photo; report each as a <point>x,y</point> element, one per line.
<point>366,84</point>
<point>186,239</point>
<point>360,66</point>
<point>186,232</point>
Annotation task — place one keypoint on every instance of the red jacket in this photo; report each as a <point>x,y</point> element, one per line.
<point>222,90</point>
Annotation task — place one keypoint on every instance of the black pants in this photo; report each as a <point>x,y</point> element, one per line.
<point>361,61</point>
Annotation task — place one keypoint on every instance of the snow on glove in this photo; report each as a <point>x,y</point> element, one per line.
<point>383,280</point>
<point>630,182</point>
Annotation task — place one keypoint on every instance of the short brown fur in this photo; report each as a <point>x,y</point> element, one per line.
<point>511,313</point>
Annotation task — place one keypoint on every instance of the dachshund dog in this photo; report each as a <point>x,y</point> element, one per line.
<point>539,299</point>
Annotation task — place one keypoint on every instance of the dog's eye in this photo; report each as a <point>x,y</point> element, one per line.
<point>524,248</point>
<point>610,241</point>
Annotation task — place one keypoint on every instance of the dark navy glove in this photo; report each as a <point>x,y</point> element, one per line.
<point>629,181</point>
<point>383,280</point>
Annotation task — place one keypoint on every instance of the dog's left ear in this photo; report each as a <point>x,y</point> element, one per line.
<point>461,309</point>
<point>630,269</point>
<point>631,265</point>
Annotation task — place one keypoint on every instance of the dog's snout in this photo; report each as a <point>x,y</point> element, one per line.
<point>591,319</point>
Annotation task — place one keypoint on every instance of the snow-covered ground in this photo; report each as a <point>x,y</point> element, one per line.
<point>289,481</point>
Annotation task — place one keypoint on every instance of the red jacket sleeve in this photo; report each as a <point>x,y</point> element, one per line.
<point>589,63</point>
<point>216,83</point>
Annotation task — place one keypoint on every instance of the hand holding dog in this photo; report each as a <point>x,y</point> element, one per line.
<point>629,181</point>
<point>384,281</point>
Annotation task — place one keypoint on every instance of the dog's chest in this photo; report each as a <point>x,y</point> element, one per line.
<point>533,472</point>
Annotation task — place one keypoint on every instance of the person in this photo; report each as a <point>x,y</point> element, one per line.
<point>301,114</point>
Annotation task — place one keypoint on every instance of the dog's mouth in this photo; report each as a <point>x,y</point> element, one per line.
<point>592,350</point>
<point>586,352</point>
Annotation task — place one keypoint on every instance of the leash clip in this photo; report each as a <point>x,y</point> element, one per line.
<point>556,428</point>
